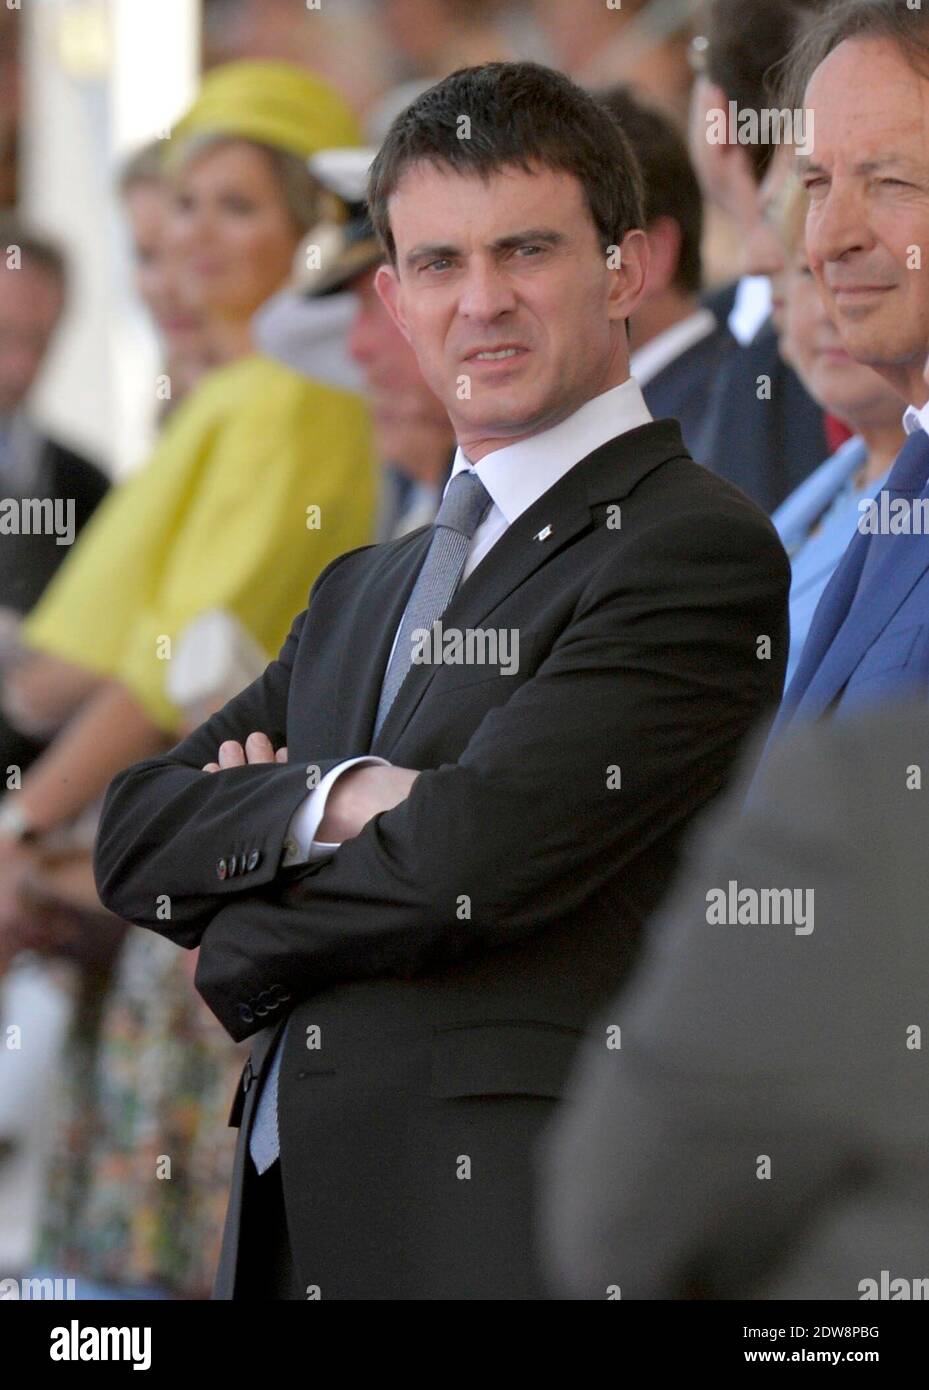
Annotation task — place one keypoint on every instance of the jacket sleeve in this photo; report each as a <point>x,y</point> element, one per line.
<point>166,824</point>
<point>656,679</point>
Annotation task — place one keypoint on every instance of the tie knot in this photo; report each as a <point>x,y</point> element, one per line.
<point>465,504</point>
<point>911,470</point>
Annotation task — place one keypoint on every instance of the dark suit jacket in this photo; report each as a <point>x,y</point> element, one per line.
<point>766,447</point>
<point>451,954</point>
<point>27,563</point>
<point>681,391</point>
<point>740,1041</point>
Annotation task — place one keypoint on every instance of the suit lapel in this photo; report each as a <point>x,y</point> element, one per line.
<point>372,624</point>
<point>828,617</point>
<point>516,555</point>
<point>894,578</point>
<point>607,474</point>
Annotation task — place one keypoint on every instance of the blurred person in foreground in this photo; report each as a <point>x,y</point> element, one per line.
<point>862,72</point>
<point>414,917</point>
<point>750,1119</point>
<point>217,522</point>
<point>762,430</point>
<point>817,521</point>
<point>678,345</point>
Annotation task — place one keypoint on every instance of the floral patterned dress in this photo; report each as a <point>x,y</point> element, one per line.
<point>140,1172</point>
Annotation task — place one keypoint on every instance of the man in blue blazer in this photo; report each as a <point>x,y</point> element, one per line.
<point>867,223</point>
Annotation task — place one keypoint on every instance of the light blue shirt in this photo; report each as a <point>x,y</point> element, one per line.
<point>816,523</point>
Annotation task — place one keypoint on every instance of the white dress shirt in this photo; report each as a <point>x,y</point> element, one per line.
<point>916,418</point>
<point>516,476</point>
<point>751,308</point>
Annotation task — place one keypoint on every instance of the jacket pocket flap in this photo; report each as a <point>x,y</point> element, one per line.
<point>515,1057</point>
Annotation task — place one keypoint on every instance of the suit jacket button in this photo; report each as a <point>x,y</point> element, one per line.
<point>233,865</point>
<point>221,869</point>
<point>245,1014</point>
<point>253,859</point>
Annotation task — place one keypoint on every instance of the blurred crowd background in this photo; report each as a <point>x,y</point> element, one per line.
<point>85,82</point>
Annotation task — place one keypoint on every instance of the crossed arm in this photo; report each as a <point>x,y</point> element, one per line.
<point>656,674</point>
<point>356,797</point>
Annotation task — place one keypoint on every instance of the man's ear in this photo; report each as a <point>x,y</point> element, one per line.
<point>387,285</point>
<point>628,277</point>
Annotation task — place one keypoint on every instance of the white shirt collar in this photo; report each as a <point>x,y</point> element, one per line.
<point>915,418</point>
<point>517,475</point>
<point>751,308</point>
<point>652,357</point>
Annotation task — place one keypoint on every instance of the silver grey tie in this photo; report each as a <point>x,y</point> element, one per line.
<point>464,506</point>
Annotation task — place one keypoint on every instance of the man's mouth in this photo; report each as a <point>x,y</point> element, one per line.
<point>858,291</point>
<point>499,354</point>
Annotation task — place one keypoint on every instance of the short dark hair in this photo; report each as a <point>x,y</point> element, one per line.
<point>671,186</point>
<point>854,19</point>
<point>745,42</point>
<point>35,249</point>
<point>521,114</point>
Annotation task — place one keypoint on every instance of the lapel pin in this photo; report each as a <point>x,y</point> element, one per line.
<point>544,534</point>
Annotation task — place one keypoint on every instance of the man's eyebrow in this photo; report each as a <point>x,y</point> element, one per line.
<point>436,251</point>
<point>805,165</point>
<point>547,235</point>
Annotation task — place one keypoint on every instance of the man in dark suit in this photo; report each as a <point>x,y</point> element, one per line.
<point>869,637</point>
<point>750,1119</point>
<point>418,911</point>
<point>761,428</point>
<point>33,282</point>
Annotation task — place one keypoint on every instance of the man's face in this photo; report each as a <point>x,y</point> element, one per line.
<point>506,295</point>
<point>30,306</point>
<point>868,222</point>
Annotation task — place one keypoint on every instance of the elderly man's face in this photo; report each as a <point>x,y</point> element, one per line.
<point>868,223</point>
<point>507,296</point>
<point>411,423</point>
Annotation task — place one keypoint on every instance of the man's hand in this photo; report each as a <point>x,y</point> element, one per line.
<point>359,794</point>
<point>257,749</point>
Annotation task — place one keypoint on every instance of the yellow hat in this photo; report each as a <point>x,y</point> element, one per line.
<point>273,103</point>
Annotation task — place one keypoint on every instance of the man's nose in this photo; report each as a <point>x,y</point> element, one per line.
<point>837,225</point>
<point>486,292</point>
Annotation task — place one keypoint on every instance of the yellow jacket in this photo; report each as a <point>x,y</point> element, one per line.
<point>222,516</point>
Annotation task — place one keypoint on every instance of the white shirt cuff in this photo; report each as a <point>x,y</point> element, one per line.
<point>300,846</point>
